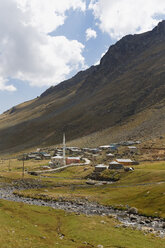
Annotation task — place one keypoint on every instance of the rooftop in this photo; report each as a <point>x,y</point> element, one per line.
<point>58,157</point>
<point>114,162</point>
<point>75,158</point>
<point>124,160</point>
<point>101,166</point>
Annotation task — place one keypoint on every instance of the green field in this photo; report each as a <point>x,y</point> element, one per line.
<point>33,226</point>
<point>36,227</point>
<point>144,188</point>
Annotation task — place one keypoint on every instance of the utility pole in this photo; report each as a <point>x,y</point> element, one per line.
<point>64,147</point>
<point>9,165</point>
<point>23,167</point>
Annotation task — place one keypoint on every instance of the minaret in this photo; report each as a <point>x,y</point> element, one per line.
<point>64,147</point>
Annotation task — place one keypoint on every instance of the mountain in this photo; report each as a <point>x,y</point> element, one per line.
<point>124,94</point>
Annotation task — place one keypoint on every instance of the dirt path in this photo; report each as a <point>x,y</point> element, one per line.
<point>87,162</point>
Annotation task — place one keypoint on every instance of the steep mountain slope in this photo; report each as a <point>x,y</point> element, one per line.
<point>129,80</point>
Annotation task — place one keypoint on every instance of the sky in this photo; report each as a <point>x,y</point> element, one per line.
<point>43,42</point>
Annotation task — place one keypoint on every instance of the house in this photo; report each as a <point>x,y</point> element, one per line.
<point>112,147</point>
<point>105,147</point>
<point>85,149</point>
<point>74,150</point>
<point>132,149</point>
<point>115,166</point>
<point>100,167</point>
<point>138,142</point>
<point>59,150</point>
<point>94,150</point>
<point>110,155</point>
<point>128,143</point>
<point>38,158</point>
<point>72,160</point>
<point>125,161</point>
<point>57,160</point>
<point>45,155</point>
<point>32,156</point>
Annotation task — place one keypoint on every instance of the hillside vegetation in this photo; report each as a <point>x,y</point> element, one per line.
<point>124,95</point>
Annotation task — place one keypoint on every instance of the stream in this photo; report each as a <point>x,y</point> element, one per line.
<point>128,218</point>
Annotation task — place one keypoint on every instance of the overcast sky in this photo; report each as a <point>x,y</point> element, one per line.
<point>43,42</point>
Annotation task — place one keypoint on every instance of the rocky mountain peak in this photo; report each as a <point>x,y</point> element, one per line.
<point>160,28</point>
<point>132,45</point>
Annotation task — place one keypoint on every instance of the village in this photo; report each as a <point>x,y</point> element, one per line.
<point>116,182</point>
<point>122,157</point>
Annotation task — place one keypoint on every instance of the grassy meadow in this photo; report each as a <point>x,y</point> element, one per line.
<point>32,226</point>
<point>43,227</point>
<point>144,188</point>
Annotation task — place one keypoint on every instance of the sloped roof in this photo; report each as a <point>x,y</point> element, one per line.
<point>124,160</point>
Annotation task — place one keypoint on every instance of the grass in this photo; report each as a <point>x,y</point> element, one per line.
<point>152,166</point>
<point>15,165</point>
<point>148,199</point>
<point>33,226</point>
<point>140,189</point>
<point>145,173</point>
<point>73,172</point>
<point>43,227</point>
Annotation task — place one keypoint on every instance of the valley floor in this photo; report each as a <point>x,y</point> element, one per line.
<point>33,226</point>
<point>93,215</point>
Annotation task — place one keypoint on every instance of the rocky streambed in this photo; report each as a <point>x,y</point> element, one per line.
<point>128,218</point>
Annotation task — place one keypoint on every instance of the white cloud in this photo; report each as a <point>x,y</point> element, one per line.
<point>121,17</point>
<point>27,52</point>
<point>4,86</point>
<point>90,33</point>
<point>47,15</point>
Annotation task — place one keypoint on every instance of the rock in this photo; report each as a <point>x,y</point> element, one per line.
<point>133,210</point>
<point>112,216</point>
<point>147,221</point>
<point>90,182</point>
<point>117,226</point>
<point>124,226</point>
<point>146,229</point>
<point>142,222</point>
<point>102,222</point>
<point>133,217</point>
<point>43,237</point>
<point>100,246</point>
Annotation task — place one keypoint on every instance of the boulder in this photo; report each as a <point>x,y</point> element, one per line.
<point>133,210</point>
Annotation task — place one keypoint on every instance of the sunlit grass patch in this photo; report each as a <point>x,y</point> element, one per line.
<point>43,227</point>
